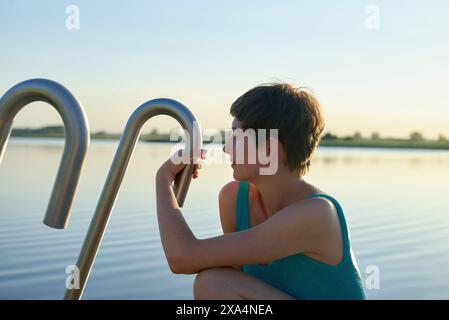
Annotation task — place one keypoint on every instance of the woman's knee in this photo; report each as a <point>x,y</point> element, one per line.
<point>207,282</point>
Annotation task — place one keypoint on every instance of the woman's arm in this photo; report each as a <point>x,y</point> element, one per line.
<point>305,226</point>
<point>176,236</point>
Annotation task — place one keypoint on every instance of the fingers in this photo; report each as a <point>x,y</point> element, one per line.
<point>198,165</point>
<point>196,168</point>
<point>181,153</point>
<point>197,161</point>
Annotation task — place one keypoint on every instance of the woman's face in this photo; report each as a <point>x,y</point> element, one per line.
<point>242,148</point>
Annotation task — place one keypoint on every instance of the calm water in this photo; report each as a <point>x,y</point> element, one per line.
<point>396,204</point>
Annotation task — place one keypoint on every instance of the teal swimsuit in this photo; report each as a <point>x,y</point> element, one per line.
<point>301,276</point>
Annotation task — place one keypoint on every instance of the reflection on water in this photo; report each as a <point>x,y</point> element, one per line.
<point>396,203</point>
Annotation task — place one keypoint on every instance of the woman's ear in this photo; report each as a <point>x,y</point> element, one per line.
<point>270,159</point>
<point>267,147</point>
<point>273,146</point>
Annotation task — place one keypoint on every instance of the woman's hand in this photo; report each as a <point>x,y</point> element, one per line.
<point>179,161</point>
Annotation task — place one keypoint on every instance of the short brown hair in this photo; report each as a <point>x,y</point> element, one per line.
<point>296,114</point>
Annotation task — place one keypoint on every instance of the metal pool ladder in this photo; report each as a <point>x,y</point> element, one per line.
<point>77,142</point>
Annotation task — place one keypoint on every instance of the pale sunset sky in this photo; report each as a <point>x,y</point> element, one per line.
<point>392,79</point>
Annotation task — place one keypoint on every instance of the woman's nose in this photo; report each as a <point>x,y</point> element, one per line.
<point>226,148</point>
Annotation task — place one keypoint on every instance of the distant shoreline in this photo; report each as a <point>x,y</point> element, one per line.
<point>387,143</point>
<point>327,140</point>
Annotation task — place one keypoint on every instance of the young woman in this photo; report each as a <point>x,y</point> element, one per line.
<point>283,237</point>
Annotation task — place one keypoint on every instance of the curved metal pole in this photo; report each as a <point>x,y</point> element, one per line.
<point>117,171</point>
<point>76,139</point>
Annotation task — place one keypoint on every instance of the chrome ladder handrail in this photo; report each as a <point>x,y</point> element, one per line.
<point>116,173</point>
<point>76,139</point>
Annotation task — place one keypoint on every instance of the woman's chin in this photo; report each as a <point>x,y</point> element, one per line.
<point>235,174</point>
<point>239,176</point>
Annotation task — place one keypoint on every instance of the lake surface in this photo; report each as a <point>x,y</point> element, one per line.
<point>396,203</point>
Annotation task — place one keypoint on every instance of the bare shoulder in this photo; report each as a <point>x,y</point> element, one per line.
<point>227,201</point>
<point>324,216</point>
<point>228,193</point>
<point>319,208</point>
<point>318,213</point>
<point>327,228</point>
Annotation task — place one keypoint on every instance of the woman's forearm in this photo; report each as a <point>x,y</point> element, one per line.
<point>175,233</point>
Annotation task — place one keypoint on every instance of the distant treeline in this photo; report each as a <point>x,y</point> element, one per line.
<point>59,132</point>
<point>416,140</point>
<point>50,131</point>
